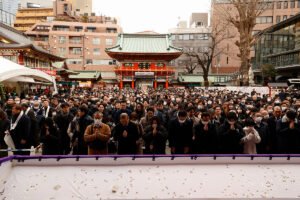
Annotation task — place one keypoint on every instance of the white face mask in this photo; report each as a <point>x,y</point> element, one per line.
<point>231,122</point>
<point>270,111</point>
<point>97,121</point>
<point>284,108</point>
<point>181,121</point>
<point>266,117</point>
<point>205,122</point>
<point>258,120</point>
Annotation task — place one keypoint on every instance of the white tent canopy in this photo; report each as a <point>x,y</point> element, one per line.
<point>10,70</point>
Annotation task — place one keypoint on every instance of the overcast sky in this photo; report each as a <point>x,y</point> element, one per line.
<point>150,15</point>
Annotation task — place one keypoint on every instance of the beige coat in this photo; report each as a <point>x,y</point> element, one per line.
<point>250,140</point>
<point>102,133</point>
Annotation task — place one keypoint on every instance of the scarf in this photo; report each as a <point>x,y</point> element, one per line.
<point>14,125</point>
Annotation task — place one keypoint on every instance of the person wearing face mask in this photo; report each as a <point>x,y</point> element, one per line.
<point>218,118</point>
<point>180,133</point>
<point>230,135</point>
<point>272,123</point>
<point>62,121</point>
<point>34,128</point>
<point>205,136</point>
<point>288,134</point>
<point>145,121</point>
<point>251,138</point>
<point>262,128</point>
<point>155,137</point>
<point>97,136</point>
<point>134,119</point>
<point>191,115</point>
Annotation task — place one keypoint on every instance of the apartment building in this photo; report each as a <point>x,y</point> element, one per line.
<point>73,7</point>
<point>82,44</point>
<point>195,38</point>
<point>36,3</point>
<point>277,11</point>
<point>27,17</point>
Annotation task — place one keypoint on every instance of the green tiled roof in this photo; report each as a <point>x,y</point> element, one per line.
<point>144,43</point>
<point>190,79</point>
<point>193,78</point>
<point>86,75</point>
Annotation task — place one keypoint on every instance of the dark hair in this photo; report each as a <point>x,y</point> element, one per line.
<point>84,109</point>
<point>3,115</point>
<point>63,105</point>
<point>231,115</point>
<point>291,114</point>
<point>205,114</point>
<point>190,108</point>
<point>150,109</point>
<point>182,113</point>
<point>249,122</point>
<point>18,107</point>
<point>155,118</point>
<point>25,105</point>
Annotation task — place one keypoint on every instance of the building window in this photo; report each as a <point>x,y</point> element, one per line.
<point>96,51</point>
<point>284,17</point>
<point>109,42</point>
<point>62,51</point>
<point>74,61</point>
<point>173,37</point>
<point>277,19</point>
<point>62,39</point>
<point>227,60</point>
<point>278,5</point>
<point>91,29</point>
<point>285,4</point>
<point>75,40</point>
<point>292,4</point>
<point>76,51</point>
<point>89,61</point>
<point>78,28</point>
<point>96,41</point>
<point>61,28</point>
<point>264,20</point>
<point>191,37</point>
<point>186,37</point>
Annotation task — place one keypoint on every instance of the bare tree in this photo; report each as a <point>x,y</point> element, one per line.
<point>205,58</point>
<point>190,64</point>
<point>243,18</point>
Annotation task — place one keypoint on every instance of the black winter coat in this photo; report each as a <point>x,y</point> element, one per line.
<point>158,141</point>
<point>230,140</point>
<point>126,145</point>
<point>205,141</point>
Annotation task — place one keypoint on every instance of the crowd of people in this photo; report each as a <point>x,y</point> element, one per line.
<point>176,121</point>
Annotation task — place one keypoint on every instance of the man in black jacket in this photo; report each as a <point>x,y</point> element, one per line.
<point>62,120</point>
<point>272,123</point>
<point>84,121</point>
<point>262,128</point>
<point>230,135</point>
<point>180,134</point>
<point>19,130</point>
<point>288,134</point>
<point>126,134</point>
<point>205,136</point>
